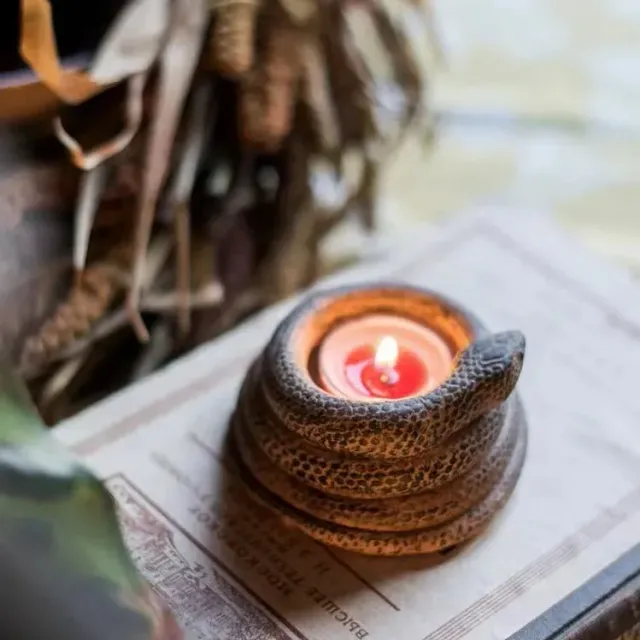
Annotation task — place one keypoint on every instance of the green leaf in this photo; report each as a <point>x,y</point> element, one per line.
<point>59,534</point>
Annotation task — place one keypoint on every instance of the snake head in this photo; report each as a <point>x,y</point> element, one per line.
<point>502,350</point>
<point>492,364</point>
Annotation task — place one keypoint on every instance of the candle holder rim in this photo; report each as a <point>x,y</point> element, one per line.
<point>334,293</point>
<point>317,300</point>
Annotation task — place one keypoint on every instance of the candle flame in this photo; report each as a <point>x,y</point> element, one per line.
<point>386,353</point>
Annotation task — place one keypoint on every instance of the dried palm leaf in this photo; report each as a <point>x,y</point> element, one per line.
<point>198,124</point>
<point>129,48</point>
<point>178,63</point>
<point>60,380</point>
<point>39,50</point>
<point>92,186</point>
<point>350,80</point>
<point>317,97</point>
<point>89,160</point>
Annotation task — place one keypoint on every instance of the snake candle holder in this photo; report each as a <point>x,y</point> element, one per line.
<point>412,455</point>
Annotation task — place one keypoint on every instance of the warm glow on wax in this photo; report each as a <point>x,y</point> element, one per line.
<point>382,357</point>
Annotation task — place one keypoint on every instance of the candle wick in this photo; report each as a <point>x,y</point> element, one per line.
<point>389,375</point>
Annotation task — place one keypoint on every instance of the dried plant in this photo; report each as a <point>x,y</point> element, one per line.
<point>241,143</point>
<point>88,301</point>
<point>232,36</point>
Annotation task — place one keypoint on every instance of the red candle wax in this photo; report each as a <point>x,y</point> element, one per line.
<point>404,378</point>
<point>382,357</point>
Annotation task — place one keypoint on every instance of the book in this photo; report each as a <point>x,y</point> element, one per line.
<point>229,570</point>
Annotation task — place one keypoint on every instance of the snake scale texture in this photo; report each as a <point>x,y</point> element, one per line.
<point>386,477</point>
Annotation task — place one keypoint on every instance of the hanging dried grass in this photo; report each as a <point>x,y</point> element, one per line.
<point>258,108</point>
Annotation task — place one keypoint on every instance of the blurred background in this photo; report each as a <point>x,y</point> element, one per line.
<point>537,105</point>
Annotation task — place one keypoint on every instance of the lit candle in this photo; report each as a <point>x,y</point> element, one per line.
<point>383,357</point>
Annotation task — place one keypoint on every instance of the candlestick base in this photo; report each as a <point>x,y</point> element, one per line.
<point>383,477</point>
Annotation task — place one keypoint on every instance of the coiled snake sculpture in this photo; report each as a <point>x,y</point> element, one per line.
<point>416,475</point>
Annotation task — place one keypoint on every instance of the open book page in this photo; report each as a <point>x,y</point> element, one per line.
<point>231,571</point>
